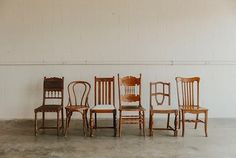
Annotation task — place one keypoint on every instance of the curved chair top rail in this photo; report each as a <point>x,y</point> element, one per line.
<point>188,92</point>
<point>74,93</point>
<point>163,93</point>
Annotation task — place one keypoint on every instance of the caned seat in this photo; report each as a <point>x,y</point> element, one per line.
<point>188,101</point>
<point>160,103</point>
<point>104,102</point>
<point>78,92</point>
<point>53,92</point>
<point>130,108</point>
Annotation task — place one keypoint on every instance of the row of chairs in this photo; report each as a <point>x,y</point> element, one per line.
<point>130,109</point>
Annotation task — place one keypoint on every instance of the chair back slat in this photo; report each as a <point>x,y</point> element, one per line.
<point>104,91</point>
<point>53,91</point>
<point>159,93</point>
<point>129,90</point>
<point>78,92</point>
<point>188,92</point>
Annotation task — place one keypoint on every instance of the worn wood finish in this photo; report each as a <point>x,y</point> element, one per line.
<point>188,101</point>
<point>78,92</point>
<point>165,94</point>
<point>130,93</point>
<point>53,89</point>
<point>104,100</point>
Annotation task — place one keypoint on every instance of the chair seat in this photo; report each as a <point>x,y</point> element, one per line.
<point>103,107</point>
<point>164,108</point>
<point>131,108</point>
<point>194,110</point>
<point>48,108</point>
<point>76,107</point>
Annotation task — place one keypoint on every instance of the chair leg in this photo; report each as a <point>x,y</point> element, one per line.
<point>91,123</point>
<point>62,120</point>
<point>196,122</point>
<point>183,122</point>
<point>176,124</point>
<point>140,118</point>
<point>151,121</point>
<point>43,119</point>
<point>83,117</point>
<point>143,118</point>
<point>114,122</point>
<point>68,115</point>
<point>95,120</point>
<point>179,119</point>
<point>35,124</point>
<point>206,122</point>
<point>58,123</point>
<point>120,122</point>
<point>168,120</point>
<point>86,117</point>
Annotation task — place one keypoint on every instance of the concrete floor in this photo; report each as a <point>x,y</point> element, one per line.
<point>17,140</point>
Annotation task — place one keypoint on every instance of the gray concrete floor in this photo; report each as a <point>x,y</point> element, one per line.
<point>17,140</point>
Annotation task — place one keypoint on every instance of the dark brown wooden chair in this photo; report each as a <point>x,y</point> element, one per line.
<point>160,104</point>
<point>104,100</point>
<point>53,92</point>
<point>188,100</point>
<point>130,101</point>
<point>78,92</point>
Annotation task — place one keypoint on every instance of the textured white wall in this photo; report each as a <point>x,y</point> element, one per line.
<point>100,31</point>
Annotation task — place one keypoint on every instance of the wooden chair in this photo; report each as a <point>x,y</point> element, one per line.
<point>161,90</point>
<point>188,100</point>
<point>53,89</point>
<point>78,92</point>
<point>104,100</point>
<point>130,101</point>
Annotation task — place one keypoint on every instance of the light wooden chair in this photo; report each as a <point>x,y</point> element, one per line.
<point>130,101</point>
<point>188,100</point>
<point>104,100</point>
<point>160,104</point>
<point>78,92</point>
<point>53,91</point>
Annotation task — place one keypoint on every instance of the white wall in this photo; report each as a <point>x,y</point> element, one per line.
<point>35,34</point>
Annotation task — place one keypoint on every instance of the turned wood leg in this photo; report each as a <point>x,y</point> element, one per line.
<point>120,123</point>
<point>58,123</point>
<point>62,119</point>
<point>35,124</point>
<point>84,122</point>
<point>179,119</point>
<point>176,124</point>
<point>140,122</point>
<point>91,123</point>
<point>183,122</point>
<point>114,122</point>
<point>196,121</point>
<point>95,120</point>
<point>143,120</point>
<point>168,120</point>
<point>206,122</point>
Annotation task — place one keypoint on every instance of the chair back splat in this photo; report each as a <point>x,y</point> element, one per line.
<point>188,92</point>
<point>104,101</point>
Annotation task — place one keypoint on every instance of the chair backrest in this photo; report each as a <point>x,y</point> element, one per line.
<point>104,91</point>
<point>159,93</point>
<point>78,92</point>
<point>53,91</point>
<point>129,90</point>
<point>188,92</point>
